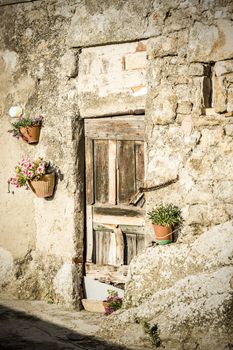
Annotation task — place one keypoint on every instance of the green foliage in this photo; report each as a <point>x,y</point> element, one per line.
<point>24,122</point>
<point>152,332</point>
<point>166,215</point>
<point>50,301</point>
<point>27,170</point>
<point>113,302</point>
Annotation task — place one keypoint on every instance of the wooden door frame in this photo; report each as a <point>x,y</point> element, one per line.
<point>132,128</point>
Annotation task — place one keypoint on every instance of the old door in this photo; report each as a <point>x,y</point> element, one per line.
<point>114,149</point>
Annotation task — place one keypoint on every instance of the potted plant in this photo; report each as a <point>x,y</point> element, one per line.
<point>28,128</point>
<point>34,175</point>
<point>113,302</point>
<point>164,218</point>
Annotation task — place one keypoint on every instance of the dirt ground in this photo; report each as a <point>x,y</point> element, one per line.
<point>36,325</point>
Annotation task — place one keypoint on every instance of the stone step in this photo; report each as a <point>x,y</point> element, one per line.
<point>93,305</point>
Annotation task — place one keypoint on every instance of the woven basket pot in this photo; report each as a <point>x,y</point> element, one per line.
<point>163,234</point>
<point>30,134</point>
<point>43,187</point>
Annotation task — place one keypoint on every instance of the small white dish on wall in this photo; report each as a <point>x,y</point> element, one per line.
<point>15,111</point>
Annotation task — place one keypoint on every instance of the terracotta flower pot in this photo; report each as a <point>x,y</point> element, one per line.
<point>43,187</point>
<point>31,134</point>
<point>163,234</point>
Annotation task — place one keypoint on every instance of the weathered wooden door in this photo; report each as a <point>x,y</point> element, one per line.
<point>114,149</point>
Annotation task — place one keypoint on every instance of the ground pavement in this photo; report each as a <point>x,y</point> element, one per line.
<point>36,325</point>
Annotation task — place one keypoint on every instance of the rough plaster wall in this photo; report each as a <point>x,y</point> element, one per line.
<point>45,237</point>
<point>16,212</point>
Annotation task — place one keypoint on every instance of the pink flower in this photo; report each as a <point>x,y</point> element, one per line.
<point>14,181</point>
<point>40,170</point>
<point>24,171</point>
<point>30,174</point>
<point>24,161</point>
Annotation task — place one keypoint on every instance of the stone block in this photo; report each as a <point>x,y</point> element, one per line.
<point>196,69</point>
<point>69,64</point>
<point>183,91</point>
<point>108,77</point>
<point>223,191</point>
<point>184,107</point>
<point>182,70</point>
<point>220,95</point>
<point>211,42</point>
<point>197,168</point>
<point>211,137</point>
<point>163,163</point>
<point>165,106</point>
<point>210,112</point>
<point>200,194</point>
<point>230,99</point>
<point>208,121</point>
<point>186,125</point>
<point>162,46</point>
<point>223,67</point>
<point>135,60</point>
<point>109,22</point>
<point>197,94</point>
<point>229,129</point>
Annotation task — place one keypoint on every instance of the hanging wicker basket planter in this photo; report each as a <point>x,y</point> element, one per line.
<point>44,187</point>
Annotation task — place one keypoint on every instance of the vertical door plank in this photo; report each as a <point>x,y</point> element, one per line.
<point>89,237</point>
<point>131,247</point>
<point>112,171</point>
<point>101,170</point>
<point>126,170</point>
<point>140,243</point>
<point>89,171</point>
<point>106,248</point>
<point>119,247</point>
<point>139,158</point>
<point>112,249</point>
<point>99,247</point>
<point>103,241</point>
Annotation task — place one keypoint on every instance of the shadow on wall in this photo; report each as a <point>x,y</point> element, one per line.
<point>20,331</point>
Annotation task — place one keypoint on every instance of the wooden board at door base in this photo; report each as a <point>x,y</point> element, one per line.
<point>114,172</point>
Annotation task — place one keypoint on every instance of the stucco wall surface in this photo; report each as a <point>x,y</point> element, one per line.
<point>41,238</point>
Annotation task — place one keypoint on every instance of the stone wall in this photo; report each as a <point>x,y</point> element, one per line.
<point>189,113</point>
<point>72,59</point>
<point>188,107</point>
